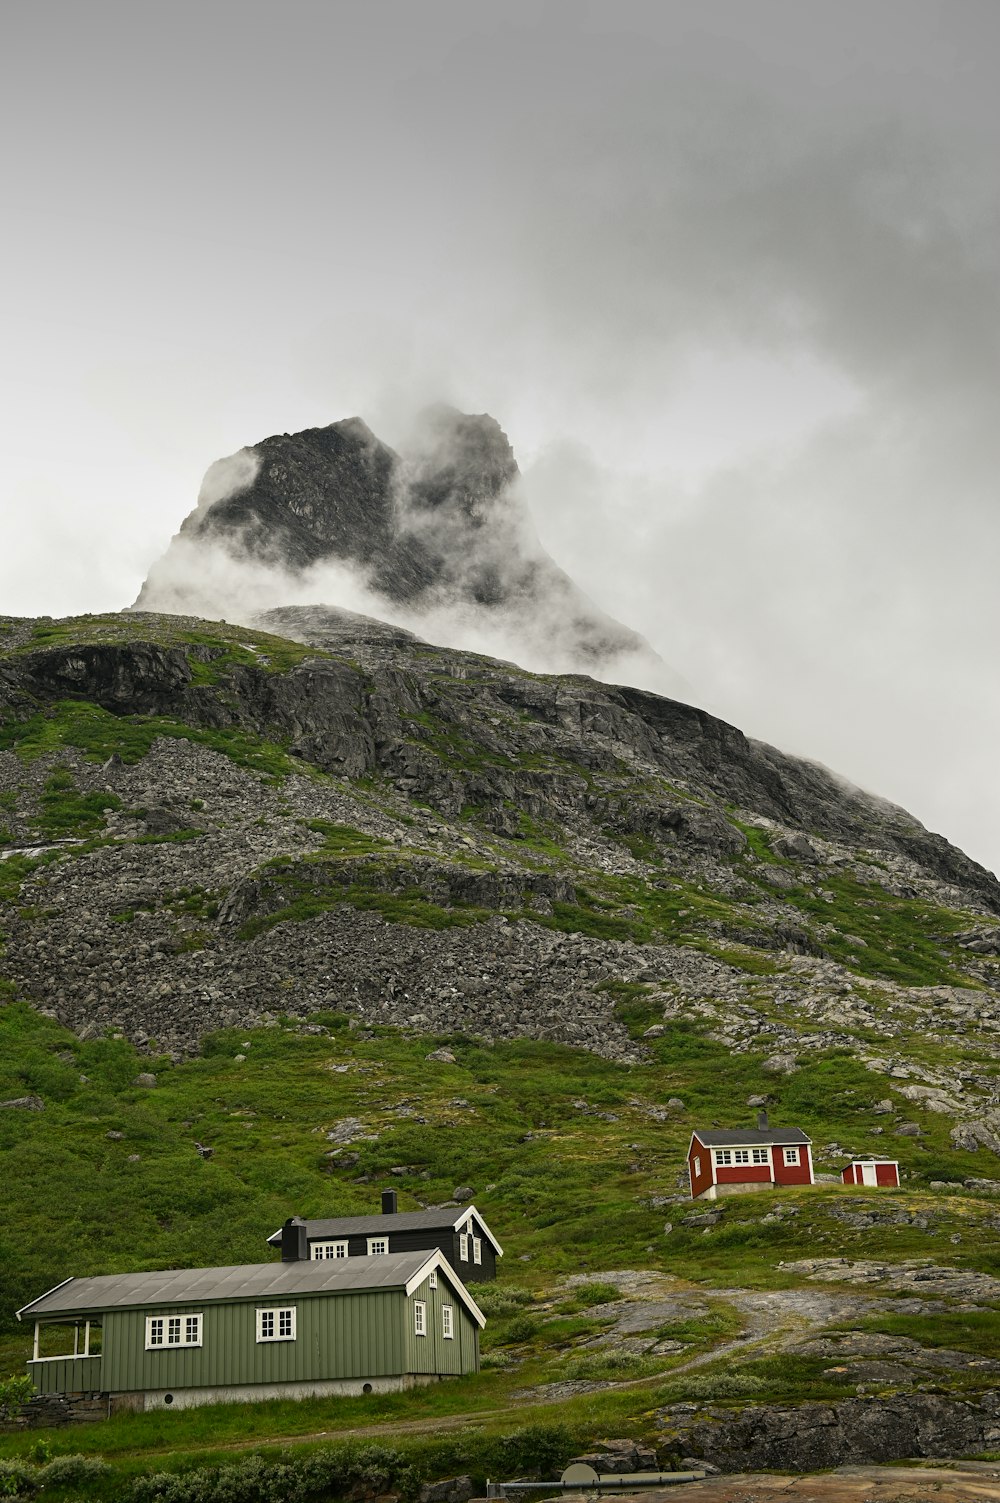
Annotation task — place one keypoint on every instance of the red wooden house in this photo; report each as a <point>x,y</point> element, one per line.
<point>731,1162</point>
<point>877,1172</point>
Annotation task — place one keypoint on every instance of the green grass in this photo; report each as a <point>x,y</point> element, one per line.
<point>98,735</point>
<point>975,1331</point>
<point>219,646</point>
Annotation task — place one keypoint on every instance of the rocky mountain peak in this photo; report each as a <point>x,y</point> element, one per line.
<point>436,537</point>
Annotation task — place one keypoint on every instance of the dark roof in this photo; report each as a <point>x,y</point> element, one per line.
<point>443,1218</point>
<point>185,1286</point>
<point>752,1137</point>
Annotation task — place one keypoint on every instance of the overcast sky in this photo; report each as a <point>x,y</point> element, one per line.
<point>726,271</point>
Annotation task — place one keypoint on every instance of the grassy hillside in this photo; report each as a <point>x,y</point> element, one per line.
<point>501,865</point>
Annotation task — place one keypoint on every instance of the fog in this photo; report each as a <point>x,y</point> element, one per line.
<point>725,273</point>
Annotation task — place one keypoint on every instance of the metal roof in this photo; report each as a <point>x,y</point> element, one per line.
<point>174,1286</point>
<point>445,1218</point>
<point>746,1137</point>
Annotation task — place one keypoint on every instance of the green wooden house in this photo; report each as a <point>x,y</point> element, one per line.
<point>271,1330</point>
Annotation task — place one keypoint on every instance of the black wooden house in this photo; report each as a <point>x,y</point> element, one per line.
<point>460,1234</point>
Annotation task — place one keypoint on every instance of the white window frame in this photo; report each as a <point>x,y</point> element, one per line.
<point>791,1156</point>
<point>760,1156</point>
<point>448,1322</point>
<point>419,1317</point>
<point>378,1247</point>
<point>724,1156</point>
<point>432,1279</point>
<point>277,1316</point>
<point>189,1331</point>
<point>477,1249</point>
<point>741,1155</point>
<point>697,1166</point>
<point>320,1251</point>
<point>463,1246</point>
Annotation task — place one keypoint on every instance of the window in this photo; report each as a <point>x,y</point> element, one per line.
<point>463,1247</point>
<point>172,1330</point>
<point>723,1156</point>
<point>447,1323</point>
<point>760,1156</point>
<point>741,1156</point>
<point>419,1317</point>
<point>320,1250</point>
<point>432,1280</point>
<point>477,1249</point>
<point>791,1155</point>
<point>277,1324</point>
<point>697,1166</point>
<point>378,1247</point>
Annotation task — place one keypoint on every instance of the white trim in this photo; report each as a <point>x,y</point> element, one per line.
<point>420,1317</point>
<point>447,1323</point>
<point>183,1322</point>
<point>467,1215</point>
<point>337,1243</point>
<point>463,1247</point>
<point>477,1250</point>
<point>777,1143</point>
<point>378,1247</point>
<point>432,1279</point>
<point>38,1301</point>
<point>791,1156</point>
<point>437,1259</point>
<point>279,1315</point>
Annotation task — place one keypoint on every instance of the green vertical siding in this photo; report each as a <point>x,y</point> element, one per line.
<point>432,1353</point>
<point>355,1335</point>
<point>67,1375</point>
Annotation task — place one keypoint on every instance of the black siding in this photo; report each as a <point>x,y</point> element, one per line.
<point>444,1238</point>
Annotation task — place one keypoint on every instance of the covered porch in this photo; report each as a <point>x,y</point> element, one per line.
<point>77,1371</point>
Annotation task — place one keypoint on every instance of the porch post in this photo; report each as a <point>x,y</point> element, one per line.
<point>76,1339</point>
<point>86,1339</point>
<point>34,1356</point>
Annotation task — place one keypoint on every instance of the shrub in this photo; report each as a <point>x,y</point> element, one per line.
<point>17,1389</point>
<point>17,1480</point>
<point>499,1300</point>
<point>73,1471</point>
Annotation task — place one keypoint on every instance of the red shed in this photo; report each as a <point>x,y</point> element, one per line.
<point>876,1172</point>
<point>728,1163</point>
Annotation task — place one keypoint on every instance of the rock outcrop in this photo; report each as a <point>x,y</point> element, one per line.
<point>439,535</point>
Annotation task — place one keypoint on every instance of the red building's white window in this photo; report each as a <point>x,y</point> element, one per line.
<point>760,1155</point>
<point>697,1166</point>
<point>791,1155</point>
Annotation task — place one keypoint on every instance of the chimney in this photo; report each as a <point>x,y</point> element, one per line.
<point>388,1202</point>
<point>762,1122</point>
<point>294,1241</point>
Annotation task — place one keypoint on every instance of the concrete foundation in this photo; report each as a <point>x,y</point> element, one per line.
<point>249,1393</point>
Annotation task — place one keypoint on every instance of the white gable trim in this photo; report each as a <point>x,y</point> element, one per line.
<point>467,1216</point>
<point>25,1308</point>
<point>436,1260</point>
<point>776,1143</point>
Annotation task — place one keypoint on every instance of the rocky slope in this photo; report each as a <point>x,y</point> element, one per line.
<point>439,534</point>
<point>442,841</point>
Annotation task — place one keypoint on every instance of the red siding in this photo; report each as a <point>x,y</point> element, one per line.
<point>887,1174</point>
<point>703,1181</point>
<point>743,1174</point>
<point>850,1175</point>
<point>792,1174</point>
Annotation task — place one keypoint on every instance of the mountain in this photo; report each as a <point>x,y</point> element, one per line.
<point>291,916</point>
<point>346,780</point>
<point>438,537</point>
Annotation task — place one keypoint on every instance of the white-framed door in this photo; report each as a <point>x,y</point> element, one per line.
<point>868,1175</point>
